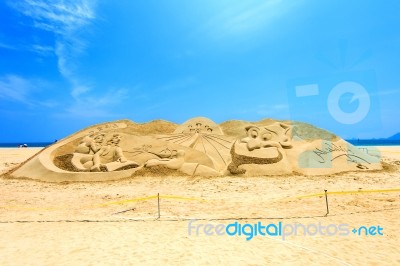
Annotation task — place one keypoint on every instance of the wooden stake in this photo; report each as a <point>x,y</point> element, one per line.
<point>158,197</point>
<point>326,200</point>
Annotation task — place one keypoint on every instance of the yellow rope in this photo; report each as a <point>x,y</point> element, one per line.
<point>147,198</point>
<point>125,201</point>
<point>194,199</point>
<point>23,208</point>
<point>350,192</point>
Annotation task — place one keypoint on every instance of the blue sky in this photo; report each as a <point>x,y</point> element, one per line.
<point>66,65</point>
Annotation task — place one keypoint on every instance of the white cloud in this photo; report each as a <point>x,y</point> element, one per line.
<point>42,49</point>
<point>60,17</point>
<point>18,89</point>
<point>79,90</point>
<point>67,19</point>
<point>64,19</point>
<point>6,46</point>
<point>97,105</point>
<point>15,88</point>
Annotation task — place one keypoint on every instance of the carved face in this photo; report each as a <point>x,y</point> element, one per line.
<point>274,135</point>
<point>264,142</point>
<point>115,140</point>
<point>99,138</point>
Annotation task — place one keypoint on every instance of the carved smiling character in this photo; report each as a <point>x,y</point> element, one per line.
<point>263,145</point>
<point>275,135</point>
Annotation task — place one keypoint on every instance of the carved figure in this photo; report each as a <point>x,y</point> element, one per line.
<point>92,155</point>
<point>176,161</point>
<point>263,145</point>
<point>83,156</point>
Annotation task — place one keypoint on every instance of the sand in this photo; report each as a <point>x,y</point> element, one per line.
<point>199,147</point>
<point>12,157</point>
<point>111,222</point>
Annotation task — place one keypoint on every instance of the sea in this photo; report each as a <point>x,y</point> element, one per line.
<point>373,142</point>
<point>28,144</point>
<point>355,142</point>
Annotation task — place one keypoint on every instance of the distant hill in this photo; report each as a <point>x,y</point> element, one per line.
<point>393,140</point>
<point>395,137</point>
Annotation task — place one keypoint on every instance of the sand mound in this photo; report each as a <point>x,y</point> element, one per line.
<point>198,147</point>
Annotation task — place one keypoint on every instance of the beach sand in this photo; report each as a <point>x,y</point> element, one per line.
<point>12,157</point>
<point>111,223</point>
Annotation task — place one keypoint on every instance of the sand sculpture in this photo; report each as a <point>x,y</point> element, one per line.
<point>92,155</point>
<point>198,147</point>
<point>262,146</point>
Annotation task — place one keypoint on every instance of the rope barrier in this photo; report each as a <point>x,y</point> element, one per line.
<point>121,202</point>
<point>174,197</point>
<point>142,219</point>
<point>350,192</point>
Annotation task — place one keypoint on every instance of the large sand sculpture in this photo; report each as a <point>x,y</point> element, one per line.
<point>198,147</point>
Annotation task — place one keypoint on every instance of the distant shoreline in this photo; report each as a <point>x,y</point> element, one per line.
<point>29,144</point>
<point>373,142</point>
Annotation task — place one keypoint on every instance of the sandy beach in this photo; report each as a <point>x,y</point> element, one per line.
<point>199,132</point>
<point>115,222</point>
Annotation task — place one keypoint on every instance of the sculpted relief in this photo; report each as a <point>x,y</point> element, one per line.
<point>97,153</point>
<point>202,147</point>
<point>263,145</point>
